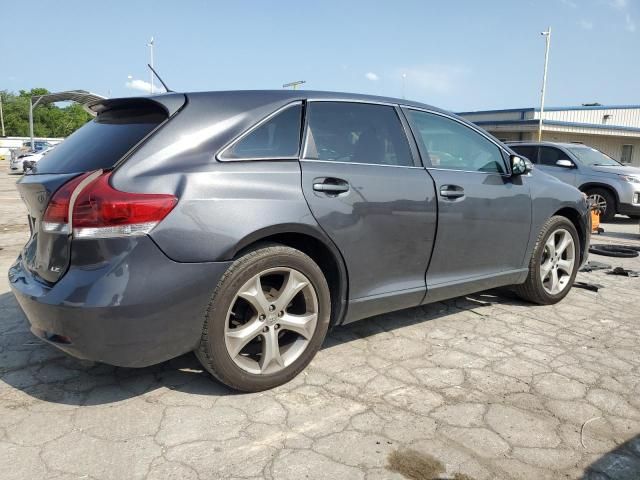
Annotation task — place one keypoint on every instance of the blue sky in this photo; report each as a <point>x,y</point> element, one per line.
<point>456,54</point>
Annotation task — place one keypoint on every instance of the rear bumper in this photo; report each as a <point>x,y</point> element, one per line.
<point>124,303</point>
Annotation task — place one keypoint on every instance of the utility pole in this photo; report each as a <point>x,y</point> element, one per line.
<point>547,36</point>
<point>1,115</point>
<point>150,45</point>
<point>404,79</point>
<point>294,85</point>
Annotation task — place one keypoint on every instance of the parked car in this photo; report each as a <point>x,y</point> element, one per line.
<point>18,155</point>
<point>243,225</point>
<point>612,186</point>
<point>29,160</point>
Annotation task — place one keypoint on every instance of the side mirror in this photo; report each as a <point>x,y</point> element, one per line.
<point>519,165</point>
<point>565,163</point>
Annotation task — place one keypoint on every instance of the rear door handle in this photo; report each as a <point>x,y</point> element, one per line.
<point>331,186</point>
<point>451,191</point>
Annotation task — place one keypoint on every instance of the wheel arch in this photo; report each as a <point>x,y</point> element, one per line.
<point>574,217</point>
<point>589,185</point>
<point>315,245</point>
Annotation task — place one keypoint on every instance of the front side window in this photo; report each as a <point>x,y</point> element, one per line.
<point>356,133</point>
<point>278,137</point>
<point>451,145</point>
<point>550,155</point>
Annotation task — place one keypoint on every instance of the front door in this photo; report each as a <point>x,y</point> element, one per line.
<point>364,188</point>
<point>484,215</point>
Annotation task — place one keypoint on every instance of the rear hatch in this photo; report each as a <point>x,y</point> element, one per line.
<point>120,127</point>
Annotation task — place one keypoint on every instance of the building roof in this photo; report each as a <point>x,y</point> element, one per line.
<point>555,109</point>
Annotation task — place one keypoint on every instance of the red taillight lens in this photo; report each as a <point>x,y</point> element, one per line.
<point>102,211</point>
<point>56,216</point>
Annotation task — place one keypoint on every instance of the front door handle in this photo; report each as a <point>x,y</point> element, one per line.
<point>331,186</point>
<point>451,191</point>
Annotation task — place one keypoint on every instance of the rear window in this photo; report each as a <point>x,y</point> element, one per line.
<point>102,142</point>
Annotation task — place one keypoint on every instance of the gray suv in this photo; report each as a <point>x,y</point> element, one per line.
<point>243,225</point>
<point>612,186</point>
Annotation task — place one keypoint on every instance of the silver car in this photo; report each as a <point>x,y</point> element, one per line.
<point>612,186</point>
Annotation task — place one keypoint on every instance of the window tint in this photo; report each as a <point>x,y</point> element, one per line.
<point>357,133</point>
<point>528,151</point>
<point>101,142</point>
<point>550,155</point>
<point>278,137</point>
<point>451,145</point>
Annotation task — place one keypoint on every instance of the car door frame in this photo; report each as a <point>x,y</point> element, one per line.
<point>469,284</point>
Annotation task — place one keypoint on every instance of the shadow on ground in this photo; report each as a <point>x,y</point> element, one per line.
<point>43,372</point>
<point>622,463</point>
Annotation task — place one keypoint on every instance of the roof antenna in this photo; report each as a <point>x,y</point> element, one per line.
<point>158,77</point>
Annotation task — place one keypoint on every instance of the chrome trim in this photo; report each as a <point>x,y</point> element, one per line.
<point>359,163</point>
<point>235,140</point>
<point>468,171</point>
<point>350,100</point>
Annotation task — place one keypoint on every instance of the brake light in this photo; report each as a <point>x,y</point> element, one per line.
<point>101,211</point>
<point>56,216</point>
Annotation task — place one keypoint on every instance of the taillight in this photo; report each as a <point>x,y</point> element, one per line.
<point>56,216</point>
<point>101,211</point>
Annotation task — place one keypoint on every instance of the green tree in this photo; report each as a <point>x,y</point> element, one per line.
<point>49,120</point>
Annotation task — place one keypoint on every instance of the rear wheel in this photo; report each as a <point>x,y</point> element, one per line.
<point>554,263</point>
<point>267,319</point>
<point>603,201</point>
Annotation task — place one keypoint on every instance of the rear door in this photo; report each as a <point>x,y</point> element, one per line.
<point>97,145</point>
<point>362,183</point>
<point>484,215</point>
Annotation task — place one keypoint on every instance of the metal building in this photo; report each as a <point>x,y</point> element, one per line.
<point>615,130</point>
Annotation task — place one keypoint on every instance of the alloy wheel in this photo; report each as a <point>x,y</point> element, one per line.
<point>271,320</point>
<point>599,203</point>
<point>557,262</point>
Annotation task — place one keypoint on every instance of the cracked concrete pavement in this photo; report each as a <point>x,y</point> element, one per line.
<point>489,386</point>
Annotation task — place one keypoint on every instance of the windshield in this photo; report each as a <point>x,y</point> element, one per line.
<point>591,156</point>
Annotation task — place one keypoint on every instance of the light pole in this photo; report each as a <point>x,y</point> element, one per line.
<point>547,36</point>
<point>404,79</point>
<point>150,45</point>
<point>1,115</point>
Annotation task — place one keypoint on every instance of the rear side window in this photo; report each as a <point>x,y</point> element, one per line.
<point>529,151</point>
<point>356,133</point>
<point>102,142</point>
<point>453,146</point>
<point>278,137</point>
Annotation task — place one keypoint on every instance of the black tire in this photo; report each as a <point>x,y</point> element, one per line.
<point>611,207</point>
<point>212,351</point>
<point>532,289</point>
<point>620,251</point>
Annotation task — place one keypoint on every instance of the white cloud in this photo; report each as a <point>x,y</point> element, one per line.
<point>586,24</point>
<point>629,23</point>
<point>432,78</point>
<point>137,84</point>
<point>570,3</point>
<point>621,4</point>
<point>371,76</point>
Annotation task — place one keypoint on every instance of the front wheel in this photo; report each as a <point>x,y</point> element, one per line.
<point>267,319</point>
<point>554,263</point>
<point>604,202</point>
